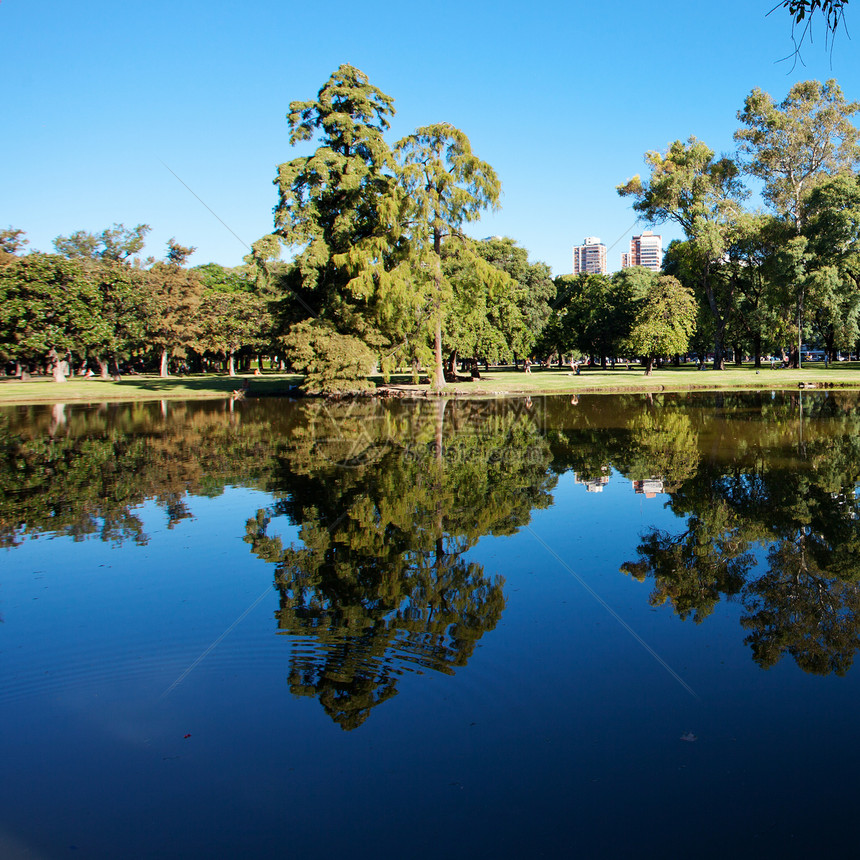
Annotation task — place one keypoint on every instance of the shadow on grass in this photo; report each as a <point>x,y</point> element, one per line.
<point>209,384</point>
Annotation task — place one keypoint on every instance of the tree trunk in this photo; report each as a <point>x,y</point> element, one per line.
<point>648,361</point>
<point>439,371</point>
<point>163,372</point>
<point>439,374</point>
<point>58,366</point>
<point>231,362</point>
<point>103,367</point>
<point>719,320</point>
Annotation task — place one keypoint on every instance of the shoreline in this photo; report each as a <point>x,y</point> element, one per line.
<point>492,384</point>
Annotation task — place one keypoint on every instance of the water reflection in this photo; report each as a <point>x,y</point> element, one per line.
<point>380,583</point>
<point>777,483</point>
<point>390,498</point>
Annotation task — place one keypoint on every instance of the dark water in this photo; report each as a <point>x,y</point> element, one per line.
<point>617,626</point>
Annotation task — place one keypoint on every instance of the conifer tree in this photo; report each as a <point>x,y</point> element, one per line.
<point>339,208</point>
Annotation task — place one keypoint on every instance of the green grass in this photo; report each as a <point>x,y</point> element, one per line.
<point>507,381</point>
<point>142,387</point>
<point>496,382</point>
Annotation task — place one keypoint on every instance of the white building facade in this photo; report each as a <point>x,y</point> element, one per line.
<point>645,250</point>
<point>589,257</point>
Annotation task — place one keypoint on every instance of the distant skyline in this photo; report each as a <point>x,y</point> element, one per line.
<point>107,104</point>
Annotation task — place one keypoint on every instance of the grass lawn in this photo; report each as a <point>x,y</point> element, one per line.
<point>497,382</point>
<point>507,381</point>
<point>143,387</point>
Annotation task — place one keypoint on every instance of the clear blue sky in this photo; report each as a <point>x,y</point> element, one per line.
<point>562,99</point>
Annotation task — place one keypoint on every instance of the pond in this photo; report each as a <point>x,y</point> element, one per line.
<point>602,625</point>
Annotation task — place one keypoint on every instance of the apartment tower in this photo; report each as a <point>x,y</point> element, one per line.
<point>645,250</point>
<point>589,257</point>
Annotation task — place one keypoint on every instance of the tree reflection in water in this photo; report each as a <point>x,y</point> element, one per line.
<point>789,495</point>
<point>379,584</point>
<point>390,497</point>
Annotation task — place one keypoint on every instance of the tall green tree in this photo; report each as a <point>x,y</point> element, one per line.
<point>231,321</point>
<point>446,185</point>
<point>794,145</point>
<point>665,321</point>
<point>702,194</point>
<point>338,207</point>
<point>176,293</point>
<point>831,220</point>
<point>534,291</point>
<point>111,261</point>
<point>125,308</point>
<point>751,269</point>
<point>48,308</point>
<point>484,316</point>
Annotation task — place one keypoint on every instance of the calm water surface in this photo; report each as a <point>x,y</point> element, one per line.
<point>609,626</point>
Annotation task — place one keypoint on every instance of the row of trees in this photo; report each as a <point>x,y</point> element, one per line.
<point>384,271</point>
<point>96,301</point>
<point>764,279</point>
<point>381,273</point>
<point>382,276</point>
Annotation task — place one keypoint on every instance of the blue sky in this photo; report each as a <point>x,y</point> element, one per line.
<point>562,99</point>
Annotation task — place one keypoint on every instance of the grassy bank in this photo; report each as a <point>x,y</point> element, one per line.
<point>507,381</point>
<point>138,387</point>
<point>496,382</point>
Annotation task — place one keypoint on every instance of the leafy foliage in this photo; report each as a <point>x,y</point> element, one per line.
<point>332,362</point>
<point>47,303</point>
<point>12,240</point>
<point>445,185</point>
<point>665,321</point>
<point>118,243</point>
<point>702,195</point>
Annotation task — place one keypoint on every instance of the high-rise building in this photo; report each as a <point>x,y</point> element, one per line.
<point>645,250</point>
<point>589,257</point>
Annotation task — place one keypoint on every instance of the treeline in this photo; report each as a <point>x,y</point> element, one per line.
<point>95,304</point>
<point>765,280</point>
<point>381,276</point>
